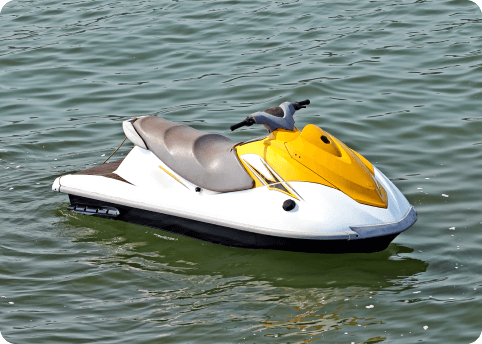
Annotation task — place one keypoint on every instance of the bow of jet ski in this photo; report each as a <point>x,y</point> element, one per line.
<point>293,190</point>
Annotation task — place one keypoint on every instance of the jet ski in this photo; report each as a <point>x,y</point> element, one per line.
<point>295,190</point>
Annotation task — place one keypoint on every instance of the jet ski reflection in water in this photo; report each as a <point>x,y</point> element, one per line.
<point>291,190</point>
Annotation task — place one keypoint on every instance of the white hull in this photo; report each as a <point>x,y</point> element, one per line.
<point>321,213</point>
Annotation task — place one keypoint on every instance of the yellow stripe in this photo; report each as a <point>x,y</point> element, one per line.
<point>287,192</point>
<point>173,176</point>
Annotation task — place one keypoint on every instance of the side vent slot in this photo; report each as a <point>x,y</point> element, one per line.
<point>95,211</point>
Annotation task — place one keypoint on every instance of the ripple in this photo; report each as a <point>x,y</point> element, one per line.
<point>396,81</point>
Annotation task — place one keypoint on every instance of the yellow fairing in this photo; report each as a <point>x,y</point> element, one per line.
<point>315,156</point>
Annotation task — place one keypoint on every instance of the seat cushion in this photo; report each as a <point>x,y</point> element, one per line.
<point>203,159</point>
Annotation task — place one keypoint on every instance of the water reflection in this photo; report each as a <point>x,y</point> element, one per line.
<point>156,249</point>
<point>305,297</point>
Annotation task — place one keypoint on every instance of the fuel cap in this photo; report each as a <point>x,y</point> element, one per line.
<point>289,204</point>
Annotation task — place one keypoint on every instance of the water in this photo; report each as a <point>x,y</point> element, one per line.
<point>399,81</point>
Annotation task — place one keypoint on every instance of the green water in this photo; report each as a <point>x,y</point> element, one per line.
<point>399,81</point>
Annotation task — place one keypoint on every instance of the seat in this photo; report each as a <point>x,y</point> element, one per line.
<point>202,158</point>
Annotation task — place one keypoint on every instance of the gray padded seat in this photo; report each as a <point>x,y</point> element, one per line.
<point>202,158</point>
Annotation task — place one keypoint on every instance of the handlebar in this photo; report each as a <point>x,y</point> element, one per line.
<point>301,104</point>
<point>247,122</point>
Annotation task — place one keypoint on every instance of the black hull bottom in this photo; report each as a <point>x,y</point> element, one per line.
<point>234,237</point>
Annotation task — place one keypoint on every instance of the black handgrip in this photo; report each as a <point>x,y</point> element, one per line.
<point>237,126</point>
<point>301,104</point>
<point>247,122</point>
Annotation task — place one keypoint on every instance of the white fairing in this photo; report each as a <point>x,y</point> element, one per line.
<point>132,134</point>
<point>321,213</point>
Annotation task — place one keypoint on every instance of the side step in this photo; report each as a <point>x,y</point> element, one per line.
<point>109,212</point>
